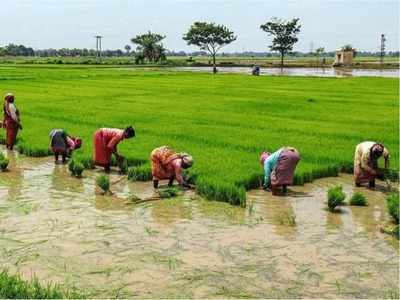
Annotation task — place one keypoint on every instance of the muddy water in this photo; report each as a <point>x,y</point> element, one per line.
<point>58,228</point>
<point>320,72</point>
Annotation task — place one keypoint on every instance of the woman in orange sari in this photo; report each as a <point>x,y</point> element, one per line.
<point>11,121</point>
<point>167,164</point>
<point>105,141</point>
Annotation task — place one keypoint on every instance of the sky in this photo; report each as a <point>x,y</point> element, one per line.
<point>74,23</point>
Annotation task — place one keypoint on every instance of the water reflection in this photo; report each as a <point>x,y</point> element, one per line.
<point>322,72</point>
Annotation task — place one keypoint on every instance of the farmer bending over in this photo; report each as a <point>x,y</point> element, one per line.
<point>105,141</point>
<point>167,164</point>
<point>279,168</point>
<point>11,121</point>
<point>63,144</point>
<point>366,162</point>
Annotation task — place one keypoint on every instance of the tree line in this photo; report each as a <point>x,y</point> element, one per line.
<point>210,38</point>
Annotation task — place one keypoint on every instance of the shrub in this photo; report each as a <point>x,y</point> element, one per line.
<point>3,162</point>
<point>393,206</point>
<point>336,197</point>
<point>358,199</point>
<point>103,182</point>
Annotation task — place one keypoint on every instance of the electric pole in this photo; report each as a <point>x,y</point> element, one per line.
<point>98,45</point>
<point>383,46</point>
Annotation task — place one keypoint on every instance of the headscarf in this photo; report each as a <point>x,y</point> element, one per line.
<point>378,149</point>
<point>264,155</point>
<point>78,142</point>
<point>8,97</point>
<point>187,159</point>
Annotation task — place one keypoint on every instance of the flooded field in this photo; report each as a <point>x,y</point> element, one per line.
<point>61,230</point>
<point>320,72</point>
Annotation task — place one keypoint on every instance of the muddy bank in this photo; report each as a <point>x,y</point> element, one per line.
<point>58,228</point>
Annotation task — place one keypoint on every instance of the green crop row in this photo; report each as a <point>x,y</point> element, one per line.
<point>224,121</point>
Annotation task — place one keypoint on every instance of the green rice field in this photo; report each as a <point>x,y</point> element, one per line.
<point>224,120</point>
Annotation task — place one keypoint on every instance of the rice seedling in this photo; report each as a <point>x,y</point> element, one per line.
<point>169,192</point>
<point>392,202</point>
<point>358,199</point>
<point>3,162</point>
<point>103,182</point>
<point>222,120</point>
<point>14,287</point>
<point>336,196</point>
<point>76,168</point>
<point>287,219</point>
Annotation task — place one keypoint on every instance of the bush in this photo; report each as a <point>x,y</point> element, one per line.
<point>3,162</point>
<point>393,206</point>
<point>358,199</point>
<point>336,197</point>
<point>103,182</point>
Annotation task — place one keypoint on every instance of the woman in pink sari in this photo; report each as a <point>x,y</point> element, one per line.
<point>105,141</point>
<point>11,121</point>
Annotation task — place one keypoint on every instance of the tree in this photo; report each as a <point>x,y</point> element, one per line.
<point>284,33</point>
<point>209,37</point>
<point>150,46</point>
<point>128,49</point>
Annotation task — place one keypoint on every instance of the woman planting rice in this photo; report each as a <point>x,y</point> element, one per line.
<point>63,144</point>
<point>11,122</point>
<point>167,164</point>
<point>366,162</point>
<point>105,141</point>
<point>279,168</point>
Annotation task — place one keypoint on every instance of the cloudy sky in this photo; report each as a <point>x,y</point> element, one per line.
<point>73,23</point>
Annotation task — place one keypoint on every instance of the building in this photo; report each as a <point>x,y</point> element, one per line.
<point>344,58</point>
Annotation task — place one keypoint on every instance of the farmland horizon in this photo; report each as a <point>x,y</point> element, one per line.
<point>76,22</point>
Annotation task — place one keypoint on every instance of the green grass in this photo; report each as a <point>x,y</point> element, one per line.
<point>13,287</point>
<point>224,121</point>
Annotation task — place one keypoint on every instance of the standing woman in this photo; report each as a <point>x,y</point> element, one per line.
<point>105,141</point>
<point>11,122</point>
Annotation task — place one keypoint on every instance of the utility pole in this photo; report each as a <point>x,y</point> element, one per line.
<point>383,46</point>
<point>98,45</point>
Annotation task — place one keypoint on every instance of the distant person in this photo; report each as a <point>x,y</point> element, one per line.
<point>11,121</point>
<point>105,141</point>
<point>168,164</point>
<point>366,162</point>
<point>279,168</point>
<point>63,144</point>
<point>255,71</point>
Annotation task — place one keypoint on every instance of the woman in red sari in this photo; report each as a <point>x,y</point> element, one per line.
<point>105,141</point>
<point>11,121</point>
<point>167,164</point>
